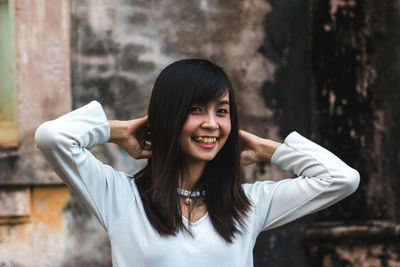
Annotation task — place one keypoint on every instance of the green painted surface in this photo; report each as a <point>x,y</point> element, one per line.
<point>8,120</point>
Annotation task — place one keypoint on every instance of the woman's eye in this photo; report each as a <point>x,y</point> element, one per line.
<point>195,109</point>
<point>222,110</point>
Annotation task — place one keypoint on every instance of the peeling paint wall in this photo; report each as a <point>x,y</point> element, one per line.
<point>356,71</point>
<point>317,67</point>
<point>337,78</point>
<point>42,78</point>
<point>41,223</point>
<point>118,49</point>
<point>57,232</point>
<point>358,244</point>
<point>328,69</point>
<point>39,241</point>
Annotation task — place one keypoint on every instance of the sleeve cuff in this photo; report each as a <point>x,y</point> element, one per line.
<point>98,111</point>
<point>88,124</point>
<point>284,148</point>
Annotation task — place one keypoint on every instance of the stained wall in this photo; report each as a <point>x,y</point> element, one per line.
<point>328,69</point>
<point>119,47</point>
<point>41,223</point>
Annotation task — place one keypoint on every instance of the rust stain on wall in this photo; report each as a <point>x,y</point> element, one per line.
<point>48,204</point>
<point>14,233</point>
<point>32,242</point>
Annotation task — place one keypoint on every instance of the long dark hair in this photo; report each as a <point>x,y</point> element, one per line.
<point>180,85</point>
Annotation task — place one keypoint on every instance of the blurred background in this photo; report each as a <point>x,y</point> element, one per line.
<point>329,69</point>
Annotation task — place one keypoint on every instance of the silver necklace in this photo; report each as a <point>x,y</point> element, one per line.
<point>190,194</point>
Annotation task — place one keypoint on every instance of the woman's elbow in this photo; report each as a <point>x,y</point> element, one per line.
<point>46,136</point>
<point>352,180</point>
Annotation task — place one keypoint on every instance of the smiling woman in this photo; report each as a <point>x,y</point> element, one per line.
<point>199,97</point>
<point>188,206</point>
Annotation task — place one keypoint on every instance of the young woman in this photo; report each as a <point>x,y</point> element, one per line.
<point>188,206</point>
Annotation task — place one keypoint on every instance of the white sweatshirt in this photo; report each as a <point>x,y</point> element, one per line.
<point>113,197</point>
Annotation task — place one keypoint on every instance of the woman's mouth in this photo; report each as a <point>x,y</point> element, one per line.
<point>205,140</point>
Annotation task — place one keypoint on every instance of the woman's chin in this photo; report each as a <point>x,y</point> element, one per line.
<point>203,158</point>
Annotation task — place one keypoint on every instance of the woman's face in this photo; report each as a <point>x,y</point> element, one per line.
<point>206,130</point>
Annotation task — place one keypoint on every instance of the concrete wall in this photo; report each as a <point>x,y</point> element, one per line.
<point>356,69</point>
<point>41,224</point>
<point>118,49</point>
<point>328,69</point>
<point>42,79</point>
<point>319,67</point>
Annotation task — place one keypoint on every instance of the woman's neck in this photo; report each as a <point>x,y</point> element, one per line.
<point>191,175</point>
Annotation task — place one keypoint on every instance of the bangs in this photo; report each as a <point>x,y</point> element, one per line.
<point>211,87</point>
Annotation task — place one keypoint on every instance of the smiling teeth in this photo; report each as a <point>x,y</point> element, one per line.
<point>206,140</point>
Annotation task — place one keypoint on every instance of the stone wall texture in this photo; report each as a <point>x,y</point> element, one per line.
<point>328,69</point>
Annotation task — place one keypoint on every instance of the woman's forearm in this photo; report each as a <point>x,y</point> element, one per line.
<point>268,148</point>
<point>118,131</point>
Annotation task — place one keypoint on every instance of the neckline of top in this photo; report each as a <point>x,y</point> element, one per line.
<point>196,222</point>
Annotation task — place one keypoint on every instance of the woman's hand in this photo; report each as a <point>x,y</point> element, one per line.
<point>131,136</point>
<point>255,149</point>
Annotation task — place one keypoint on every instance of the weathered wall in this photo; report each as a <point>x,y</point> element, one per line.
<point>356,69</point>
<point>119,47</point>
<point>322,68</point>
<point>41,224</point>
<point>42,78</point>
<point>55,231</point>
<point>341,59</point>
<point>356,49</point>
<point>318,67</point>
<point>288,94</point>
<point>357,244</point>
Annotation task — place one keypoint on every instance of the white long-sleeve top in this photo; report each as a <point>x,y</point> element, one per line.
<point>323,179</point>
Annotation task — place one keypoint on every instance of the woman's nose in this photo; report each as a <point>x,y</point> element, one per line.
<point>210,122</point>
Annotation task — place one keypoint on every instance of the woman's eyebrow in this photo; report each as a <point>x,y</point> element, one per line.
<point>223,102</point>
